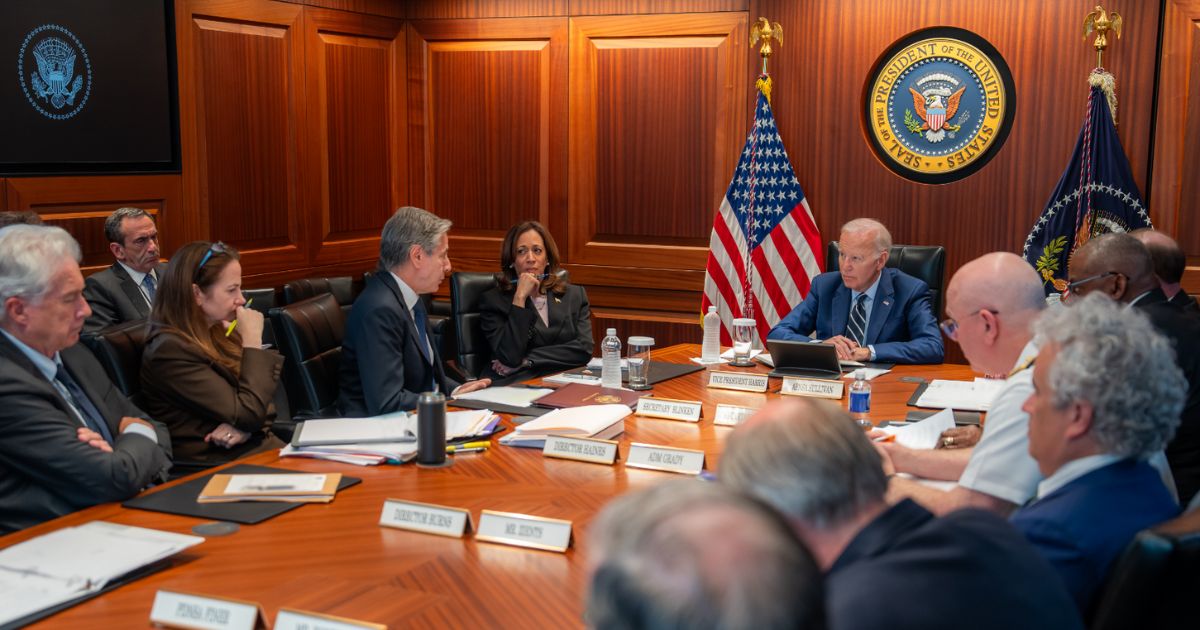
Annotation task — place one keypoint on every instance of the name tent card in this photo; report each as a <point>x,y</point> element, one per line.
<point>816,388</point>
<point>686,410</point>
<point>523,530</point>
<point>581,449</point>
<point>732,415</point>
<point>654,457</point>
<point>739,381</point>
<point>291,619</point>
<point>425,518</point>
<point>205,612</point>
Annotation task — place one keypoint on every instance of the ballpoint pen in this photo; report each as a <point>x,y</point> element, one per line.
<point>459,451</point>
<point>233,324</point>
<point>480,444</point>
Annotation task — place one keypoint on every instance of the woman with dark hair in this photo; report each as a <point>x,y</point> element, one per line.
<point>207,379</point>
<point>534,320</point>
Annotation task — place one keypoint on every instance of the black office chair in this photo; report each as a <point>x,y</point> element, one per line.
<point>119,349</point>
<point>1153,582</point>
<point>341,287</point>
<point>310,334</point>
<point>925,262</point>
<point>473,354</point>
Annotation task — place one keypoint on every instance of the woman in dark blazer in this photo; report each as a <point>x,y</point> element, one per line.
<point>534,320</point>
<point>213,388</point>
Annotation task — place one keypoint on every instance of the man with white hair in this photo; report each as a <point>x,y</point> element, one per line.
<point>868,311</point>
<point>693,554</point>
<point>69,438</point>
<point>1107,396</point>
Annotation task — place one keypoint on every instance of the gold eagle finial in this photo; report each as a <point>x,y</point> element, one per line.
<point>765,31</point>
<point>1101,22</point>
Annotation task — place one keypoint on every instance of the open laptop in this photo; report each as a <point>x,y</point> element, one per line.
<point>802,358</point>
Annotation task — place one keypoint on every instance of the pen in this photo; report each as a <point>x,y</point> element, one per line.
<point>458,451</point>
<point>229,331</point>
<point>452,448</point>
<point>891,437</point>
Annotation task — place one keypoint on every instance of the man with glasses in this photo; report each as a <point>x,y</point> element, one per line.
<point>991,302</point>
<point>1119,266</point>
<point>125,291</point>
<point>868,311</point>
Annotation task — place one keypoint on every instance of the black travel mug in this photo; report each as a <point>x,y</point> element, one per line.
<point>431,429</point>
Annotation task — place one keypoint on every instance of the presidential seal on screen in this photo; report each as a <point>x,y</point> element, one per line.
<point>55,72</point>
<point>939,105</point>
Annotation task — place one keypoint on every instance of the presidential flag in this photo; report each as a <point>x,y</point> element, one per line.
<point>1095,195</point>
<point>764,245</point>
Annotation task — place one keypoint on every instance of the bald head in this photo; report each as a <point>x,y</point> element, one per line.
<point>1000,281</point>
<point>1168,258</point>
<point>1116,253</point>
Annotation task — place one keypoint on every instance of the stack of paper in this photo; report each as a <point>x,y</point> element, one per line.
<point>390,438</point>
<point>506,395</point>
<point>974,395</point>
<point>76,561</point>
<point>597,421</point>
<point>923,434</point>
<point>298,488</point>
<point>573,377</point>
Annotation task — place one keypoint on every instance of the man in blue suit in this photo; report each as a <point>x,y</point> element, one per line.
<point>866,310</point>
<point>388,357</point>
<point>1107,396</point>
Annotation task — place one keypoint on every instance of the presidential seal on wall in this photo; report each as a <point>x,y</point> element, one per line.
<point>55,72</point>
<point>939,105</point>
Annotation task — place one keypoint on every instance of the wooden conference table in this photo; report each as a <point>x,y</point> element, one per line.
<point>336,559</point>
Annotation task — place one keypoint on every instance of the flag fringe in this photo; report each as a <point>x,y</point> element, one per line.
<point>1108,84</point>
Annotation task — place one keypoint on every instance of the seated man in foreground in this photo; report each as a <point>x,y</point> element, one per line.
<point>887,566</point>
<point>68,438</point>
<point>692,554</point>
<point>1106,398</point>
<point>868,311</point>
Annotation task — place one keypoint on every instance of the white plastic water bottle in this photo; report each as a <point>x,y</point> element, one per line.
<point>860,399</point>
<point>610,355</point>
<point>710,351</point>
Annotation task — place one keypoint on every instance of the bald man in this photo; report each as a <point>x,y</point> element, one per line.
<point>991,302</point>
<point>1119,266</point>
<point>1169,265</point>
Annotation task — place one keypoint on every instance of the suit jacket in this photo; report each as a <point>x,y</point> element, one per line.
<point>115,298</point>
<point>191,394</point>
<point>45,471</point>
<point>384,368</point>
<point>1186,302</point>
<point>902,326</point>
<point>1083,526</point>
<point>516,334</point>
<point>977,569</point>
<point>1183,330</point>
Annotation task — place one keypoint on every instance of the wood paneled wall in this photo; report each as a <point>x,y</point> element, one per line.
<point>617,123</point>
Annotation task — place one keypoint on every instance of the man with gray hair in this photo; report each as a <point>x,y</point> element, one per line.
<point>810,461</point>
<point>387,356</point>
<point>125,291</point>
<point>692,554</point>
<point>1106,397</point>
<point>70,439</point>
<point>868,311</point>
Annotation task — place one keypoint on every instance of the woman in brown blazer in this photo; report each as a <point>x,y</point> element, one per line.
<point>211,387</point>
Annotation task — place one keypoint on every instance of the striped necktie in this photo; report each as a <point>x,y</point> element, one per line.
<point>857,327</point>
<point>149,286</point>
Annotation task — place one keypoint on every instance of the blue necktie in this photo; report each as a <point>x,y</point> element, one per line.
<point>420,318</point>
<point>150,287</point>
<point>91,416</point>
<point>858,320</point>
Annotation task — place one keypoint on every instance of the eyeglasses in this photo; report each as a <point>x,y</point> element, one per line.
<point>216,248</point>
<point>1074,286</point>
<point>856,260</point>
<point>950,325</point>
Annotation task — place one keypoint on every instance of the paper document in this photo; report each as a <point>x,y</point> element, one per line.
<point>513,396</point>
<point>868,373</point>
<point>394,427</point>
<point>974,395</point>
<point>265,484</point>
<point>598,362</point>
<point>601,421</point>
<point>754,352</point>
<point>567,377</point>
<point>923,434</point>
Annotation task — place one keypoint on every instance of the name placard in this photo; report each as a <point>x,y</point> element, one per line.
<point>670,459</point>
<point>739,381</point>
<point>523,530</point>
<point>425,518</point>
<point>669,408</point>
<point>732,415</point>
<point>291,619</point>
<point>174,609</point>
<point>581,449</point>
<point>817,388</point>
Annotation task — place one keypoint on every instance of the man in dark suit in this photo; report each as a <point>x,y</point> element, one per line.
<point>1106,398</point>
<point>387,356</point>
<point>1119,266</point>
<point>866,310</point>
<point>808,460</point>
<point>68,437</point>
<point>125,291</point>
<point>1169,265</point>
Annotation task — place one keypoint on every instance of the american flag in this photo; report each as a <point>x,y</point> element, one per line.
<point>764,244</point>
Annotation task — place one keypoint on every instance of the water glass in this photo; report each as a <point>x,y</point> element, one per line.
<point>744,330</point>
<point>639,362</point>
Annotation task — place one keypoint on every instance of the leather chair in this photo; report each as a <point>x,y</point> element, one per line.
<point>925,262</point>
<point>473,354</point>
<point>310,334</point>
<point>1152,583</point>
<point>341,287</point>
<point>119,350</point>
<point>263,302</point>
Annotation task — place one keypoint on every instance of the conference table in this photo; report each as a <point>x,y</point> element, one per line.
<point>336,559</point>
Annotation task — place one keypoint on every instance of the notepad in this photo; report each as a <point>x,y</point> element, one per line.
<point>395,427</point>
<point>974,395</point>
<point>300,488</point>
<point>598,421</point>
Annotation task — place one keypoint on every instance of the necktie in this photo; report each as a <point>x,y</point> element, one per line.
<point>420,318</point>
<point>858,320</point>
<point>78,398</point>
<point>149,285</point>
